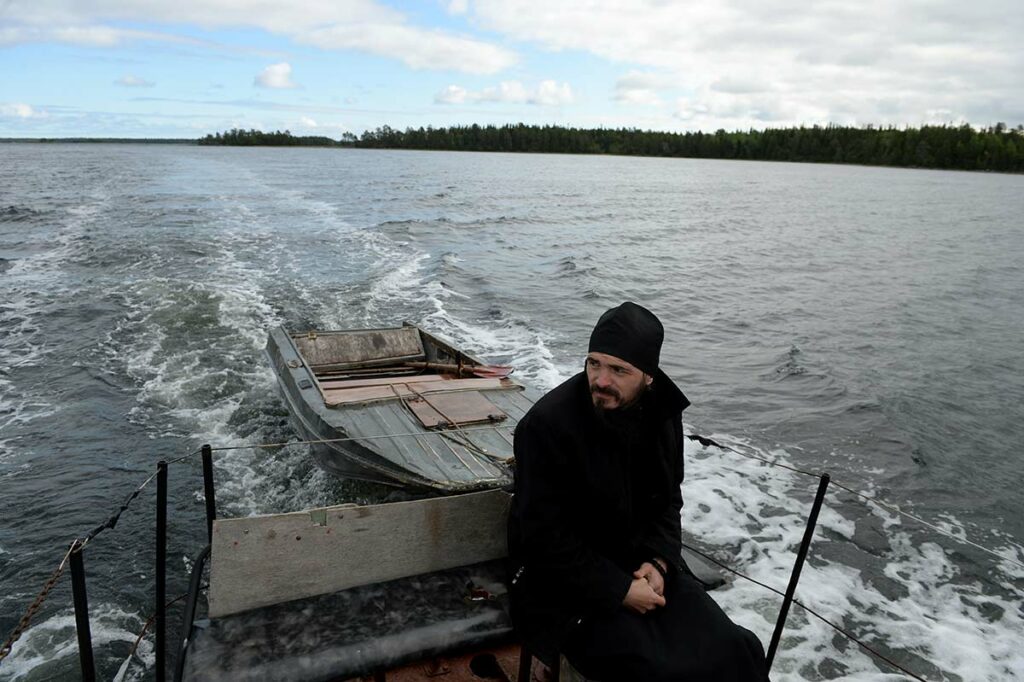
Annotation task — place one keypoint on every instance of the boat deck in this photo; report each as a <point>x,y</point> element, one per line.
<point>357,631</point>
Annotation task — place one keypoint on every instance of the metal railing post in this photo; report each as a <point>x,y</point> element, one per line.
<point>794,578</point>
<point>160,632</point>
<point>211,504</point>
<point>82,613</point>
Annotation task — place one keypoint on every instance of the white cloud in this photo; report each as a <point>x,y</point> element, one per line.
<point>547,93</point>
<point>550,94</point>
<point>453,94</point>
<point>21,110</point>
<point>512,92</point>
<point>83,35</point>
<point>363,25</point>
<point>643,87</point>
<point>866,62</point>
<point>418,48</point>
<point>737,86</point>
<point>130,81</point>
<point>871,61</point>
<point>458,6</point>
<point>90,36</point>
<point>640,96</point>
<point>276,76</point>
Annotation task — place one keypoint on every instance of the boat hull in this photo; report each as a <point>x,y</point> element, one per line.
<point>379,440</point>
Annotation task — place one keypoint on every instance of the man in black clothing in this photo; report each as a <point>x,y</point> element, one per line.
<point>594,530</point>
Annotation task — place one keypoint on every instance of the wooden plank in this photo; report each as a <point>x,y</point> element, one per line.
<point>322,349</point>
<point>262,560</point>
<point>343,396</point>
<point>366,372</point>
<point>383,381</point>
<point>461,407</point>
<point>361,365</point>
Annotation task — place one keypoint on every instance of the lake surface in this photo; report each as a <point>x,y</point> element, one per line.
<point>866,322</point>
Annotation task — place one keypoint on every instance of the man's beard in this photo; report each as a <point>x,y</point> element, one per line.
<point>624,406</point>
<point>596,394</point>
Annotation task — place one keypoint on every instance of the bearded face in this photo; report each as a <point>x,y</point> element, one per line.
<point>614,383</point>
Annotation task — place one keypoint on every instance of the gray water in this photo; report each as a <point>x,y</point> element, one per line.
<point>861,321</point>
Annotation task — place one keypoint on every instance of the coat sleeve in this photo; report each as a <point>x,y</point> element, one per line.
<point>549,547</point>
<point>663,538</point>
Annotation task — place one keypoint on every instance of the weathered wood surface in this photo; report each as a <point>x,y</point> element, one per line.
<point>338,349</point>
<point>360,382</point>
<point>410,389</point>
<point>461,408</point>
<point>263,560</point>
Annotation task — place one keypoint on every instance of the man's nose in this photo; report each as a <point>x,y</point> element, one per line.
<point>603,378</point>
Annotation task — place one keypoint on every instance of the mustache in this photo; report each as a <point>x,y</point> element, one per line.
<point>609,392</point>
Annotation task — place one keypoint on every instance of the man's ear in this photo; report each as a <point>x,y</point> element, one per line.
<point>648,380</point>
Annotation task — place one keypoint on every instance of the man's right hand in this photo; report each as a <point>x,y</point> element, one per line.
<point>642,597</point>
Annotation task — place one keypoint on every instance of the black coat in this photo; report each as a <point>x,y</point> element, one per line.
<point>593,500</point>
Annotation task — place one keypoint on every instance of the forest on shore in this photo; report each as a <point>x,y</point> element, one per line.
<point>998,148</point>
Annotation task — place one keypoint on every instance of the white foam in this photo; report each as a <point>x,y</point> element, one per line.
<point>31,285</point>
<point>938,617</point>
<point>527,349</point>
<point>54,639</point>
<point>399,279</point>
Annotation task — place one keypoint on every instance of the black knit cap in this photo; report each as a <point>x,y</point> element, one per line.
<point>632,333</point>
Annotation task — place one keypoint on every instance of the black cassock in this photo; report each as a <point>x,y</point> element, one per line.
<point>594,498</point>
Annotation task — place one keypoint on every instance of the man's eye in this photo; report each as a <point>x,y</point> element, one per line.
<point>620,370</point>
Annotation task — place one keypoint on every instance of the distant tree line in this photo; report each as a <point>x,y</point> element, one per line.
<point>997,148</point>
<point>101,140</point>
<point>258,138</point>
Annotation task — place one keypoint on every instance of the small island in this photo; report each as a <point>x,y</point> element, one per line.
<point>257,138</point>
<point>998,148</point>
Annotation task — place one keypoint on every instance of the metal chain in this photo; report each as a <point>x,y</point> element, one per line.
<point>26,619</point>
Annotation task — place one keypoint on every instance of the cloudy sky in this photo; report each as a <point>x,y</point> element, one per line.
<point>184,68</point>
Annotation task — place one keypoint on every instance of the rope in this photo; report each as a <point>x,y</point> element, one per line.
<point>405,404</point>
<point>811,611</point>
<point>705,441</point>
<point>145,628</point>
<point>23,624</point>
<point>351,438</point>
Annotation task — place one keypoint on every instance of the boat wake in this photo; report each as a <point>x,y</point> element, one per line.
<point>908,597</point>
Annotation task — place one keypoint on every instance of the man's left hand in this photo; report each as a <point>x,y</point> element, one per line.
<point>652,576</point>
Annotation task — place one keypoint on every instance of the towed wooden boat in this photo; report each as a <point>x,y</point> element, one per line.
<point>399,406</point>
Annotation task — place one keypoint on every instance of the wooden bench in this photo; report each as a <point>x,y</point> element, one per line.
<point>340,592</point>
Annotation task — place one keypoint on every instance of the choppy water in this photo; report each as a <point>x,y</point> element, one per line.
<point>863,321</point>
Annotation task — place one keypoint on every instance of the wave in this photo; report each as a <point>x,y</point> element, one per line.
<point>49,648</point>
<point>907,596</point>
<point>17,214</point>
<point>37,286</point>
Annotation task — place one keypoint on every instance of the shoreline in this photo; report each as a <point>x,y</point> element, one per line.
<point>196,143</point>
